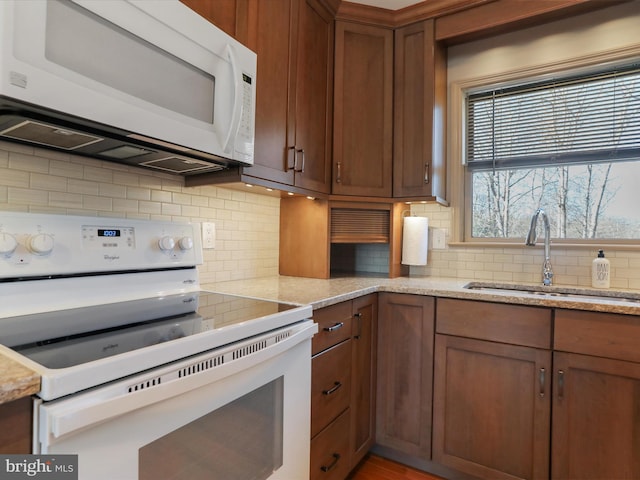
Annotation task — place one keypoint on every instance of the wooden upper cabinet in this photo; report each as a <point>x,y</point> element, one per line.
<point>228,15</point>
<point>313,97</point>
<point>363,116</point>
<point>294,43</point>
<point>420,97</point>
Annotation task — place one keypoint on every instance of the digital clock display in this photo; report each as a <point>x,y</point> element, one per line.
<point>103,232</point>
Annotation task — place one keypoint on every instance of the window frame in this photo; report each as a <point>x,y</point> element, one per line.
<point>461,177</point>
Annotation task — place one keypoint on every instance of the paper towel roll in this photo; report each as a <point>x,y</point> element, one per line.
<point>415,240</point>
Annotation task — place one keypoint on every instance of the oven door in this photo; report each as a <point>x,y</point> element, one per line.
<point>240,412</point>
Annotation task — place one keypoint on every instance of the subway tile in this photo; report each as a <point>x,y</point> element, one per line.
<point>25,196</point>
<point>29,163</point>
<point>138,193</point>
<point>14,178</point>
<point>65,200</point>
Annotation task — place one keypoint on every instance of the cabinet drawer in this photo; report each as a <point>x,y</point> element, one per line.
<point>496,322</point>
<point>330,385</point>
<point>334,326</point>
<point>600,334</point>
<point>330,450</point>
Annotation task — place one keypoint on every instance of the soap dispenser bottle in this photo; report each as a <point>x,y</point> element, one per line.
<point>600,271</point>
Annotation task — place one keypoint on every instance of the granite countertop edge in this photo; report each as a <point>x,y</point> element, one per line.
<point>321,293</point>
<point>17,381</point>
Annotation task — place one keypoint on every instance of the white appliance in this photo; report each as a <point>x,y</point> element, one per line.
<point>143,82</point>
<point>140,365</point>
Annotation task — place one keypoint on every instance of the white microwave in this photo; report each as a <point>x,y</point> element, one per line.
<point>144,82</point>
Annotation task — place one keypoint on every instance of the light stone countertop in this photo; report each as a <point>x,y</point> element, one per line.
<point>17,381</point>
<point>321,293</point>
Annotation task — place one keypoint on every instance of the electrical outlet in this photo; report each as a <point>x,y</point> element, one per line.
<point>208,235</point>
<point>439,239</point>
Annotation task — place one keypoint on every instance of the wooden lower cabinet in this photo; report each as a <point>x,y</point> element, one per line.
<point>343,386</point>
<point>491,408</point>
<point>330,450</point>
<point>596,402</point>
<point>405,373</point>
<point>16,426</point>
<point>492,389</point>
<point>363,376</point>
<point>596,418</point>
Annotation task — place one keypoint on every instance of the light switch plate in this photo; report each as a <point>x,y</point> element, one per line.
<point>208,235</point>
<point>439,239</point>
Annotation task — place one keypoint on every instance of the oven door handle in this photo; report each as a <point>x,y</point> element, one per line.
<point>83,410</point>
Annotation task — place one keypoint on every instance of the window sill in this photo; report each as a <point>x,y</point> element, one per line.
<point>595,244</point>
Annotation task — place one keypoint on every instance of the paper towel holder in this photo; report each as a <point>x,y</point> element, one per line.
<point>415,240</point>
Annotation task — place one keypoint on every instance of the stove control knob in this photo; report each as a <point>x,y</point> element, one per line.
<point>166,243</point>
<point>186,243</point>
<point>8,244</point>
<point>41,244</point>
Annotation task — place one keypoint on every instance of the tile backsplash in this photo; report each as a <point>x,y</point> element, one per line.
<point>571,266</point>
<point>247,224</point>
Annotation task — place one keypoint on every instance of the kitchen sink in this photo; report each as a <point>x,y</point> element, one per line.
<point>555,291</point>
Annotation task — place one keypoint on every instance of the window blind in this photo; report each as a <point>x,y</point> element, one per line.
<point>579,119</point>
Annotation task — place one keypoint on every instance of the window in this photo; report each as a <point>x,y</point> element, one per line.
<point>570,146</point>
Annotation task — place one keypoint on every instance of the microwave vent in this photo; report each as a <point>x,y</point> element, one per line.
<point>49,135</point>
<point>177,164</point>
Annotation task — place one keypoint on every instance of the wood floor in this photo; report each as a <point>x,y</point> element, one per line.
<point>378,468</point>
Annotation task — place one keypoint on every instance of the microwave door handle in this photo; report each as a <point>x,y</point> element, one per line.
<point>237,101</point>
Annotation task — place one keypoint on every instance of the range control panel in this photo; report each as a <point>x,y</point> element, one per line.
<point>46,245</point>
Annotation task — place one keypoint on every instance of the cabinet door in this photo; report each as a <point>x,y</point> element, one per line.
<point>419,113</point>
<point>363,118</point>
<point>491,408</point>
<point>363,376</point>
<point>294,43</point>
<point>228,15</point>
<point>330,451</point>
<point>596,418</point>
<point>330,385</point>
<point>273,40</point>
<point>405,373</point>
<point>313,97</point>
<point>16,426</point>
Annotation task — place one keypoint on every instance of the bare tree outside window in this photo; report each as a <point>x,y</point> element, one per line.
<point>571,147</point>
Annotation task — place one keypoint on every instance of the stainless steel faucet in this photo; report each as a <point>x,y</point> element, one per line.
<point>547,272</point>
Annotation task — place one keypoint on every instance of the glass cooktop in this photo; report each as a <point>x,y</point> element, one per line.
<point>71,337</point>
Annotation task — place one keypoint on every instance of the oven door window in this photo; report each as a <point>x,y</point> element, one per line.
<point>241,440</point>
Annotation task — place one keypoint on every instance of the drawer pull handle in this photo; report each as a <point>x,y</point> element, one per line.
<point>335,387</point>
<point>336,457</point>
<point>359,319</point>
<point>542,380</point>
<point>334,328</point>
